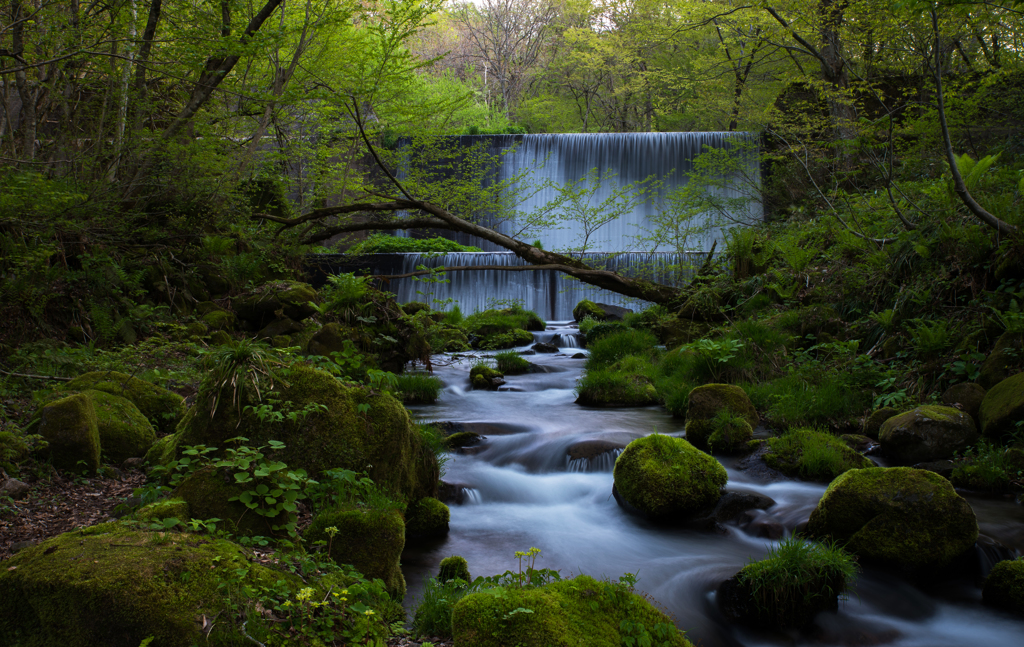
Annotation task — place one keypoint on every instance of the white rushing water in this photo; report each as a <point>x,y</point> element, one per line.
<point>523,493</point>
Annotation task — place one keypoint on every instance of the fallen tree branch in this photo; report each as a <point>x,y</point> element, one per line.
<point>505,268</point>
<point>37,377</point>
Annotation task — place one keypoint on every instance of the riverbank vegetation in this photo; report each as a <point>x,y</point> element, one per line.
<point>167,171</point>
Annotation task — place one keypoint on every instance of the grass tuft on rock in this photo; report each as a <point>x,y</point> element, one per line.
<point>813,455</point>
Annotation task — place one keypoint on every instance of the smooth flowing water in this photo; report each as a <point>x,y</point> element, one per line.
<point>528,484</point>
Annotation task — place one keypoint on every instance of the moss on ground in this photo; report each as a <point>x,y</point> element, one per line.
<point>667,478</point>
<point>113,586</point>
<point>580,611</point>
<point>168,508</point>
<point>899,517</point>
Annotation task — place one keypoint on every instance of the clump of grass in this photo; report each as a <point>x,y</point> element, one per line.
<point>433,616</point>
<point>490,322</point>
<point>617,345</point>
<point>795,400</point>
<point>512,363</point>
<point>814,455</point>
<point>989,467</point>
<point>417,388</point>
<point>797,580</point>
<point>454,317</point>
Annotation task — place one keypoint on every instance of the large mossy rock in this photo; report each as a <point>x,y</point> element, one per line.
<point>705,402</point>
<point>370,540</point>
<point>485,378</point>
<point>382,441</point>
<point>1005,355</point>
<point>124,432</point>
<point>966,396</point>
<point>1004,588</point>
<point>873,421</point>
<point>587,308</point>
<point>580,611</point>
<point>114,586</point>
<point>288,298</point>
<point>208,493</point>
<point>161,407</point>
<point>898,517</point>
<point>70,427</point>
<point>927,433</point>
<point>667,479</point>
<point>1002,408</point>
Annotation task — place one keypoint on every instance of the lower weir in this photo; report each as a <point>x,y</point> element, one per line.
<point>549,293</point>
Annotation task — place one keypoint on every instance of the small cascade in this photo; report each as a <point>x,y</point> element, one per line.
<point>472,496</point>
<point>601,463</point>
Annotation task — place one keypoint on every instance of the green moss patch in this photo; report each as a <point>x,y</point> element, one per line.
<point>707,401</point>
<point>667,478</point>
<point>70,427</point>
<point>580,611</point>
<point>1004,588</point>
<point>370,540</point>
<point>427,518</point>
<point>113,586</point>
<point>812,455</point>
<point>899,517</point>
<point>163,408</point>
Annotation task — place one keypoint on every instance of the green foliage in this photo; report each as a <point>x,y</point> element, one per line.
<point>989,467</point>
<point>242,370</point>
<point>417,388</point>
<point>619,344</point>
<point>340,488</point>
<point>811,454</point>
<point>715,355</point>
<point>433,616</point>
<point>930,337</point>
<point>343,295</point>
<point>797,573</point>
<point>388,244</point>
<point>511,363</point>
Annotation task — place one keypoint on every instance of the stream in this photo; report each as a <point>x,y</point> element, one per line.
<point>524,490</point>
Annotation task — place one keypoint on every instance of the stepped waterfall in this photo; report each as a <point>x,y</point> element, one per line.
<point>556,160</point>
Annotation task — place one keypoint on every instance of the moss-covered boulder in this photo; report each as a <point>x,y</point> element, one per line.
<point>220,320</point>
<point>873,421</point>
<point>454,568</point>
<point>261,306</point>
<point>220,338</point>
<point>208,493</point>
<point>707,401</point>
<point>927,433</point>
<point>370,540</point>
<point>730,436</point>
<point>1006,355</point>
<point>124,432</point>
<point>485,377</point>
<point>587,308</point>
<point>580,611</point>
<point>1004,588</point>
<point>1003,408</point>
<point>898,517</point>
<point>382,440</point>
<point>812,455</point>
<point>329,339</point>
<point>966,396</point>
<point>173,508</point>
<point>426,519</point>
<point>114,586</point>
<point>163,408</point>
<point>69,426</point>
<point>667,479</point>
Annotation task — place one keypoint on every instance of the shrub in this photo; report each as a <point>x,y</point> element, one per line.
<point>388,244</point>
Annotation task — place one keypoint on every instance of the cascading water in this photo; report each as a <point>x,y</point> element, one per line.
<point>524,488</point>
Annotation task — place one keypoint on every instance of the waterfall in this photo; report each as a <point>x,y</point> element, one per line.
<point>549,293</point>
<point>560,159</point>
